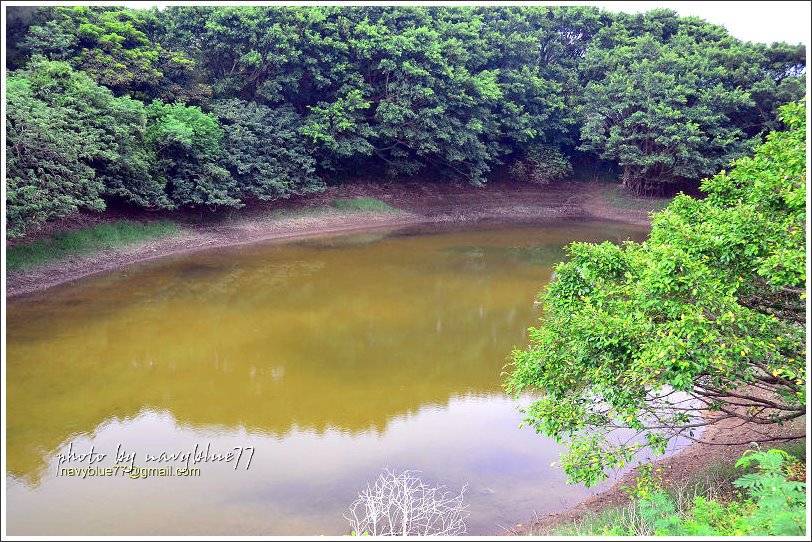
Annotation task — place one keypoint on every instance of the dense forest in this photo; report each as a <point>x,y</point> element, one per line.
<point>218,106</point>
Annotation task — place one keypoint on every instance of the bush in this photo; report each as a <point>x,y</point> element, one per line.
<point>774,504</point>
<point>542,164</point>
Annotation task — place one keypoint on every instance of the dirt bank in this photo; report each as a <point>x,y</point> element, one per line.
<point>312,215</point>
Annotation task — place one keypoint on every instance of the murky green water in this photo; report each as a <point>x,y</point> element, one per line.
<point>332,358</point>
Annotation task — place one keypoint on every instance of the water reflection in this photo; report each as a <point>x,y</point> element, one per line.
<point>337,356</point>
<point>299,483</point>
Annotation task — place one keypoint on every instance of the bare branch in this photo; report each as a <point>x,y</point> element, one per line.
<point>402,505</point>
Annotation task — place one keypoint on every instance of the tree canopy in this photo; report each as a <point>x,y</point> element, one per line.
<point>708,313</point>
<point>219,105</point>
<point>69,142</point>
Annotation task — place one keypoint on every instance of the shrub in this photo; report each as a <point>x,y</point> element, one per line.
<point>542,164</point>
<point>774,504</point>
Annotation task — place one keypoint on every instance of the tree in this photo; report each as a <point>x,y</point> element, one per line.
<point>253,53</point>
<point>542,164</point>
<point>708,313</point>
<point>47,175</point>
<point>264,150</point>
<point>383,91</point>
<point>115,47</point>
<point>397,88</point>
<point>70,144</point>
<point>672,99</point>
<point>188,145</point>
<point>658,115</point>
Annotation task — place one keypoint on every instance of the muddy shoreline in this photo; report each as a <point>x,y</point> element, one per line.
<point>312,216</point>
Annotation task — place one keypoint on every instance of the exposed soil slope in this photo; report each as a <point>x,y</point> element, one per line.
<point>312,215</point>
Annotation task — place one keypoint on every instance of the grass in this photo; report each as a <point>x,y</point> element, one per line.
<point>117,234</point>
<point>346,205</point>
<point>713,482</point>
<point>85,241</point>
<point>361,205</point>
<point>618,197</point>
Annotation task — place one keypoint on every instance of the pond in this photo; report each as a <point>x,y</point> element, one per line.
<point>321,361</point>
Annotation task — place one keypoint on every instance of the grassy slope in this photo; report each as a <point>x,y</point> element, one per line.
<point>85,241</point>
<point>122,233</point>
<point>362,205</point>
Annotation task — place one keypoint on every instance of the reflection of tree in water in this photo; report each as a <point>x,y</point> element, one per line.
<point>345,240</point>
<point>270,339</point>
<point>317,345</point>
<point>544,255</point>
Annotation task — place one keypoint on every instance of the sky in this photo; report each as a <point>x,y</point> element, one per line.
<point>765,21</point>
